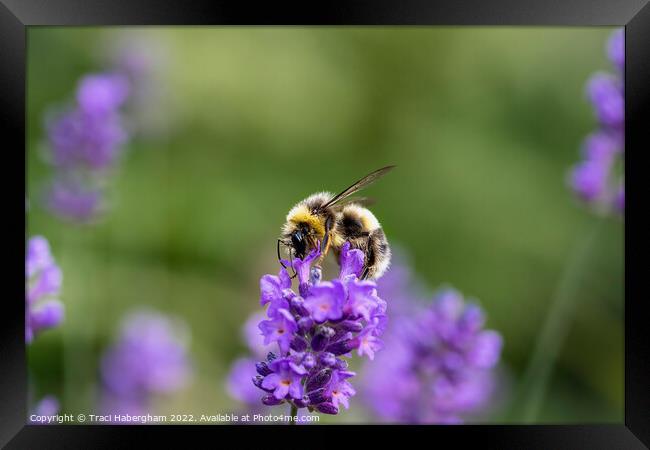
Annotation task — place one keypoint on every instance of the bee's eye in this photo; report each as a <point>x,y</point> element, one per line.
<point>298,243</point>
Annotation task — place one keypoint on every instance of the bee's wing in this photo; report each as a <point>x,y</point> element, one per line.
<point>362,201</point>
<point>362,183</point>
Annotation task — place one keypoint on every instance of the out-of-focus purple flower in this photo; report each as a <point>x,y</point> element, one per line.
<point>589,179</point>
<point>150,357</point>
<point>606,94</point>
<point>103,93</point>
<point>74,201</point>
<point>253,338</point>
<point>43,280</point>
<point>437,363</point>
<point>596,178</point>
<point>48,406</point>
<point>616,49</point>
<point>314,330</point>
<point>602,147</point>
<point>84,144</point>
<point>79,140</point>
<point>238,384</point>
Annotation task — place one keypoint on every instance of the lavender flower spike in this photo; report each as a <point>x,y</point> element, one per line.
<point>437,364</point>
<point>43,280</point>
<point>314,330</point>
<point>150,357</point>
<point>84,143</point>
<point>598,178</point>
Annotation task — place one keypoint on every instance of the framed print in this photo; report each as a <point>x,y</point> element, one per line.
<point>266,218</point>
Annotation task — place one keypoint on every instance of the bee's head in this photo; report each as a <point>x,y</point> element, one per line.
<point>299,240</point>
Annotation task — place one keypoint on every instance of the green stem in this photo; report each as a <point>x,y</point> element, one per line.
<point>294,414</point>
<point>556,327</point>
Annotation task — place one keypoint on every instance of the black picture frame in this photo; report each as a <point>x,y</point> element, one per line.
<point>17,15</point>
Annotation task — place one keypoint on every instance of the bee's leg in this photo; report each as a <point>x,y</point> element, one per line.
<point>291,262</point>
<point>370,258</point>
<point>280,241</point>
<point>327,240</point>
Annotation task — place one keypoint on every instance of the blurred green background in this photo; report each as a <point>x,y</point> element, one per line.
<point>484,124</point>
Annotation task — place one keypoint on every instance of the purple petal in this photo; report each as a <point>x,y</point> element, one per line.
<point>47,315</point>
<point>351,262</point>
<point>487,349</point>
<point>326,301</point>
<point>616,49</point>
<point>102,93</point>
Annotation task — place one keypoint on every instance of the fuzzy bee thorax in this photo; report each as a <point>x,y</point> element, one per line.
<point>302,215</point>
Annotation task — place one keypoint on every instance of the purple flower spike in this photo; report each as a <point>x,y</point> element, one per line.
<point>437,362</point>
<point>84,143</point>
<point>149,357</point>
<point>315,330</point>
<point>43,280</point>
<point>596,179</point>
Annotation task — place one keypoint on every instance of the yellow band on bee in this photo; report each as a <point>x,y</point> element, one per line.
<point>303,215</point>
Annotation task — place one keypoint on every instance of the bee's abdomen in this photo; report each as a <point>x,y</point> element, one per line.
<point>378,254</point>
<point>350,227</point>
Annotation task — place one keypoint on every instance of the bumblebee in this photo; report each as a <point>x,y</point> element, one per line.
<point>332,220</point>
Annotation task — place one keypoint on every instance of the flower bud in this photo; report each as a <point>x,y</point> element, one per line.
<point>327,408</point>
<point>318,380</point>
<point>343,347</point>
<point>327,359</point>
<point>299,344</point>
<point>263,368</point>
<point>270,400</point>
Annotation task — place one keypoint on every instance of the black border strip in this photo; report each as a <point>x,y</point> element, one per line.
<point>351,12</point>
